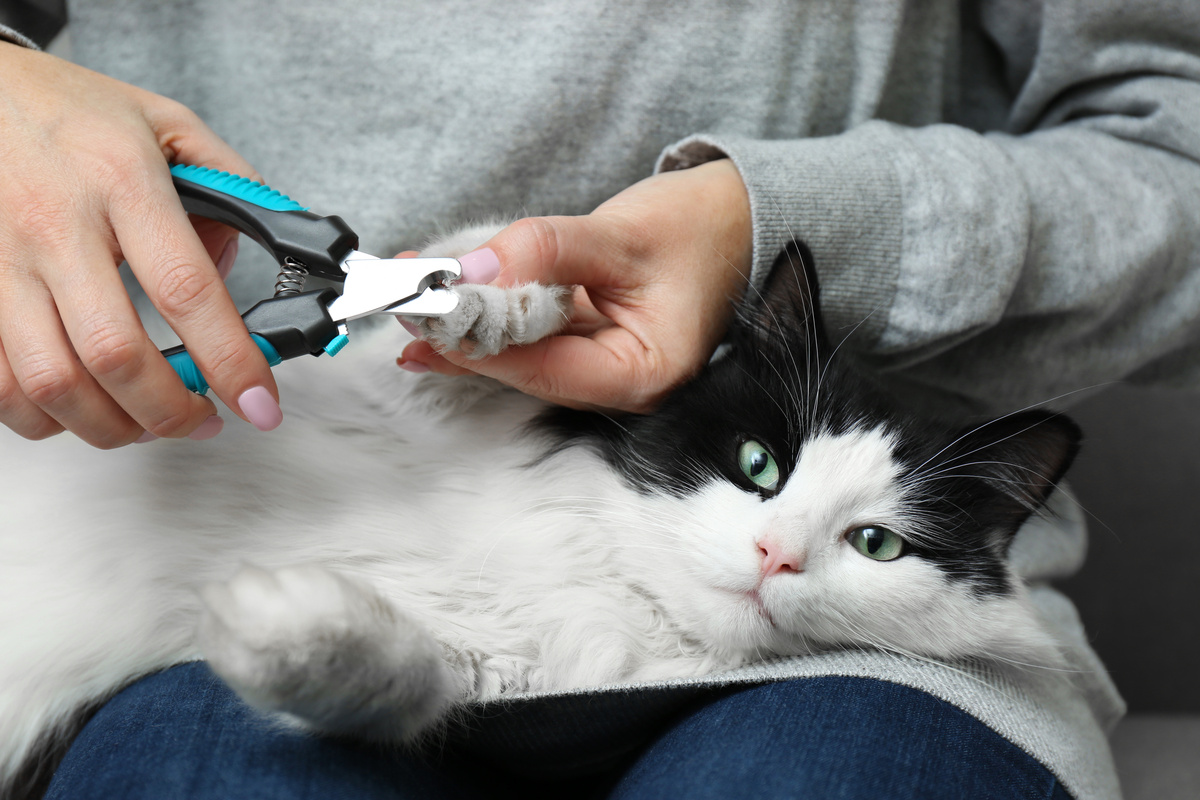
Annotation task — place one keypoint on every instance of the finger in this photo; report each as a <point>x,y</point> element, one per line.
<point>51,376</point>
<point>553,250</point>
<point>604,371</point>
<point>184,138</point>
<point>478,266</point>
<point>585,319</point>
<point>183,284</point>
<point>421,357</point>
<point>220,242</point>
<point>17,411</point>
<point>113,347</point>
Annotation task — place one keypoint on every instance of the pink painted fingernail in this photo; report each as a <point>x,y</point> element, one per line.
<point>146,436</point>
<point>408,326</point>
<point>260,408</point>
<point>480,266</point>
<point>207,429</point>
<point>412,366</point>
<point>228,256</point>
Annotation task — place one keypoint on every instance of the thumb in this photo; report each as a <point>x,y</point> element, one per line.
<point>552,250</point>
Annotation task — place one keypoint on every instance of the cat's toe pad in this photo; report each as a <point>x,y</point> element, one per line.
<point>488,318</point>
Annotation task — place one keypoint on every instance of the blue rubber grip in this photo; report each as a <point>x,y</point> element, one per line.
<point>236,186</point>
<point>189,373</point>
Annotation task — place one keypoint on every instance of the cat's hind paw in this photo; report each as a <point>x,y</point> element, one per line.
<point>488,318</point>
<point>323,651</point>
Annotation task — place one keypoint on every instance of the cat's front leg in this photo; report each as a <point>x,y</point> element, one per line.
<point>324,651</point>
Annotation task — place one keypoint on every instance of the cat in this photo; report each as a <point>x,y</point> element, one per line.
<point>406,544</point>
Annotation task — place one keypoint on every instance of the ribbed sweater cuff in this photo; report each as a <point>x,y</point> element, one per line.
<point>7,34</point>
<point>840,195</point>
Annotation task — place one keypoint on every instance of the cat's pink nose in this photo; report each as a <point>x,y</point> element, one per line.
<point>775,559</point>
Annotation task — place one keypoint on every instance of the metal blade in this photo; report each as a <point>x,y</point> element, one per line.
<point>374,284</point>
<point>433,302</point>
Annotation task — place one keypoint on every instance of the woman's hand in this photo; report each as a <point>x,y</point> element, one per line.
<point>660,268</point>
<point>86,185</point>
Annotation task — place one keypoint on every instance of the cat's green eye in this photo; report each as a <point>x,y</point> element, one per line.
<point>758,465</point>
<point>876,542</point>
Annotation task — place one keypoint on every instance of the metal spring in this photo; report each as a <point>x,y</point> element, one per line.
<point>290,280</point>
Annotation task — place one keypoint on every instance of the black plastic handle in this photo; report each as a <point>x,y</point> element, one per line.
<point>282,327</point>
<point>319,243</point>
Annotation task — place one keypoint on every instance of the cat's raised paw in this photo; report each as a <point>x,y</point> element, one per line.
<point>488,318</point>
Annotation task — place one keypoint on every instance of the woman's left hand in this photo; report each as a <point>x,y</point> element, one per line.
<point>660,268</point>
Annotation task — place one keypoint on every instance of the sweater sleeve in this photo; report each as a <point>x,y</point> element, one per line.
<point>31,23</point>
<point>1020,265</point>
<point>11,36</point>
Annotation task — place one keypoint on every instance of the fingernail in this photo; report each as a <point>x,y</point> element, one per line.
<point>208,429</point>
<point>408,326</point>
<point>260,408</point>
<point>146,436</point>
<point>228,256</point>
<point>480,266</point>
<point>411,366</point>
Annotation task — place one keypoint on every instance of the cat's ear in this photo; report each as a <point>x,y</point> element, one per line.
<point>787,308</point>
<point>1021,457</point>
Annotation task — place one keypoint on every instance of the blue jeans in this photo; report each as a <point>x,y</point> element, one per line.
<point>182,734</point>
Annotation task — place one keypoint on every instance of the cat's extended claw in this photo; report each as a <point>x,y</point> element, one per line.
<point>488,318</point>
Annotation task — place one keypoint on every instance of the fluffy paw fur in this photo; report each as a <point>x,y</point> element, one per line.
<point>488,319</point>
<point>323,651</point>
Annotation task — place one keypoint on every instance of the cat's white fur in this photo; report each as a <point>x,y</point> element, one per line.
<point>400,545</point>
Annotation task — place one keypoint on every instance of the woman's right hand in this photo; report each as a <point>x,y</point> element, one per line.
<point>85,184</point>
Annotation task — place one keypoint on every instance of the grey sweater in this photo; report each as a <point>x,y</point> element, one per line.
<point>1001,195</point>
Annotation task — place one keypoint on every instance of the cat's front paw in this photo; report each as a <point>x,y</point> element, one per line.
<point>324,651</point>
<point>488,318</point>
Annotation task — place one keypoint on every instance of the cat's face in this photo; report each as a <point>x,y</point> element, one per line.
<point>791,508</point>
<point>834,557</point>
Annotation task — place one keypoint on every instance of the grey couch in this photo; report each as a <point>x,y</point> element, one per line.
<point>1139,592</point>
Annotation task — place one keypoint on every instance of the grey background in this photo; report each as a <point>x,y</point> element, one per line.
<point>1138,477</point>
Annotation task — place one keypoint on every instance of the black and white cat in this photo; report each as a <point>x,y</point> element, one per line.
<point>405,544</point>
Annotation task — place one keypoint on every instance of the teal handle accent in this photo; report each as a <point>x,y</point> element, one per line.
<point>236,186</point>
<point>190,374</point>
<point>336,344</point>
